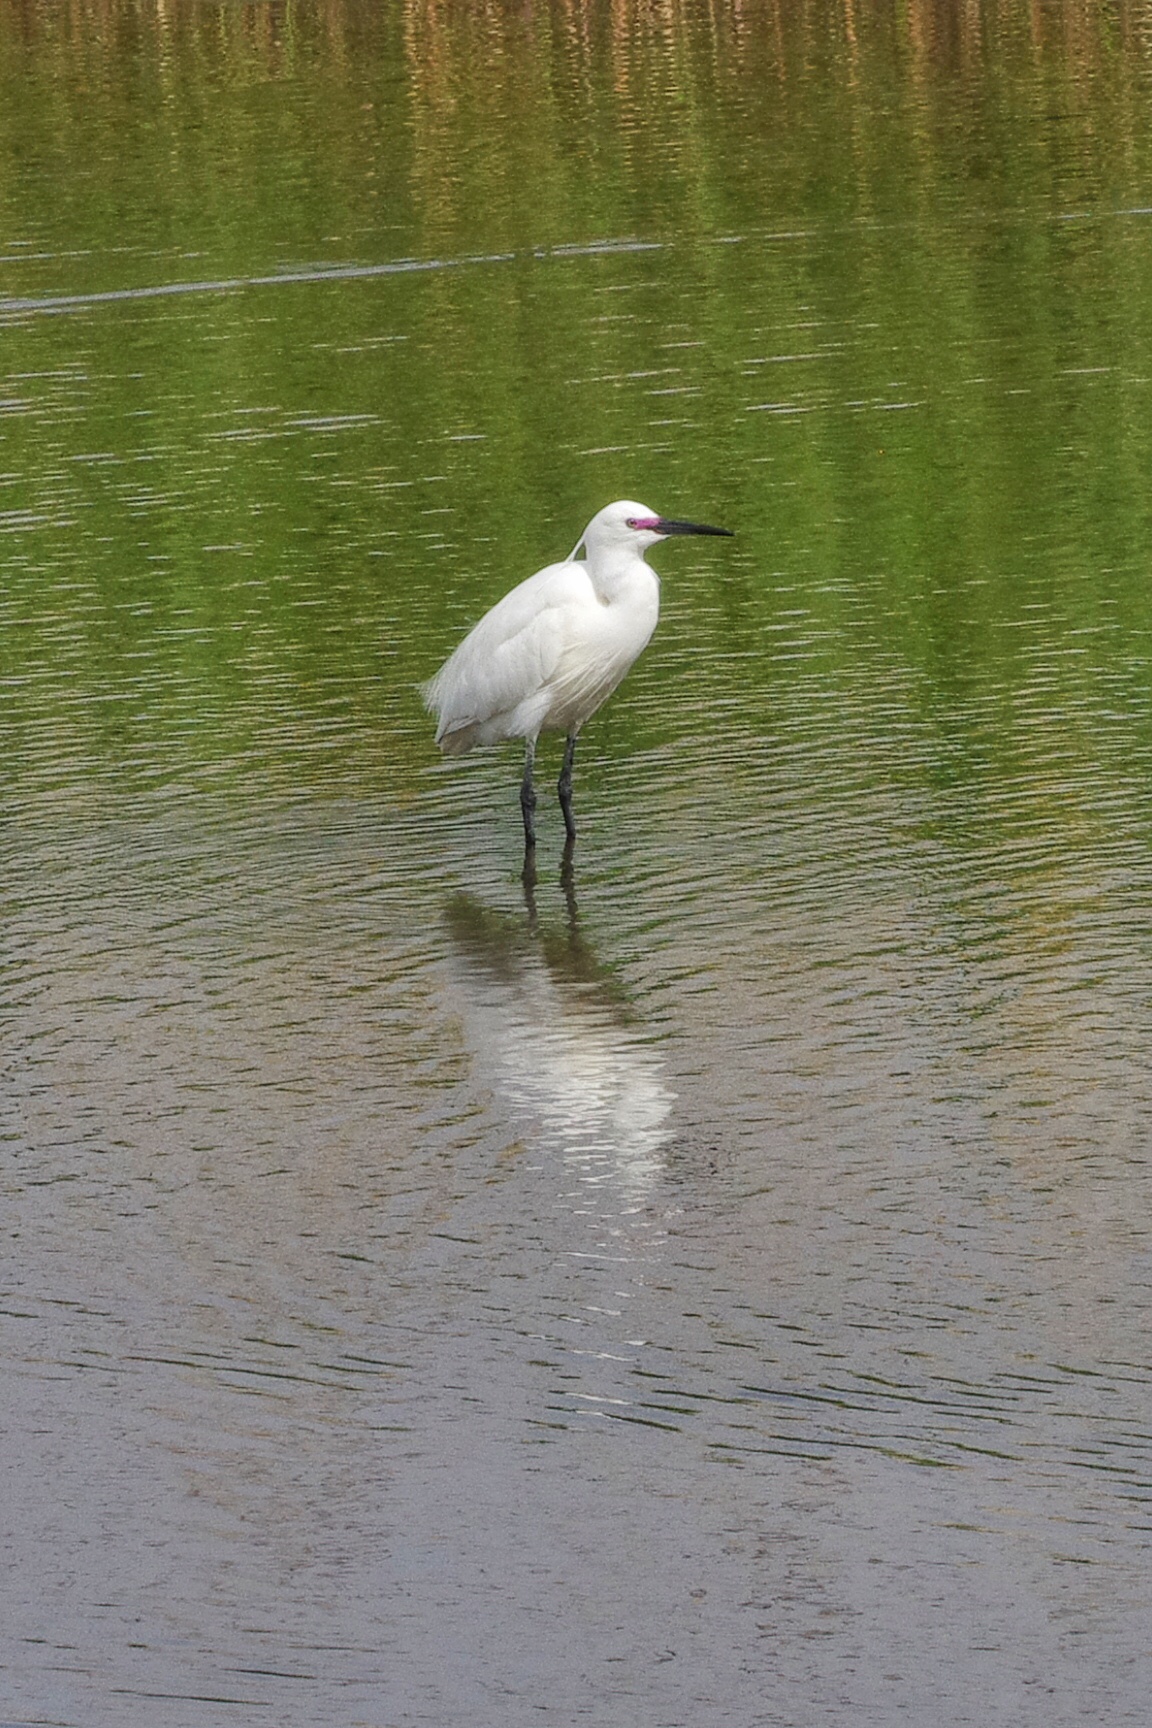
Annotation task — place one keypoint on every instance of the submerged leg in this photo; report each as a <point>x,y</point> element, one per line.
<point>528,797</point>
<point>528,884</point>
<point>568,886</point>
<point>564,787</point>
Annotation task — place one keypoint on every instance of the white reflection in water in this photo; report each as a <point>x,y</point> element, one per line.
<point>551,1034</point>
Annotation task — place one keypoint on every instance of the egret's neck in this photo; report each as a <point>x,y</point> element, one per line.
<point>616,572</point>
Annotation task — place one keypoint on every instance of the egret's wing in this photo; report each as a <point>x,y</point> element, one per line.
<point>507,659</point>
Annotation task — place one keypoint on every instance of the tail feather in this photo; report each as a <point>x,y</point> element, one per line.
<point>453,734</point>
<point>456,740</point>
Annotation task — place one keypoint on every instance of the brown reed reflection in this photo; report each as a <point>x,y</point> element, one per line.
<point>560,47</point>
<point>506,124</point>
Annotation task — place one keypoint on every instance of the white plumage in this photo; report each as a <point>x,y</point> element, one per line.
<point>553,649</point>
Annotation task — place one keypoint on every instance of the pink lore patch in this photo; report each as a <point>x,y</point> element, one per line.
<point>643,522</point>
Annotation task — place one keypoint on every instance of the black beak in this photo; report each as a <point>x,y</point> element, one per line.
<point>664,526</point>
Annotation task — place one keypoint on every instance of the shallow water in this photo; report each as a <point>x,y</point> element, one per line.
<point>710,1285</point>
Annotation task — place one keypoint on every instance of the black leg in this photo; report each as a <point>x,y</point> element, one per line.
<point>528,797</point>
<point>564,787</point>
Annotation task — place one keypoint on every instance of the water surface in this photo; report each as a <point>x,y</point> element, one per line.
<point>711,1286</point>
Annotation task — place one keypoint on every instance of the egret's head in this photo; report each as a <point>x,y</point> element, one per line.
<point>627,523</point>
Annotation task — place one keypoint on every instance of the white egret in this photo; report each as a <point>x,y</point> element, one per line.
<point>553,649</point>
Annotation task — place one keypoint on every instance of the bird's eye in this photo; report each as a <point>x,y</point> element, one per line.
<point>633,522</point>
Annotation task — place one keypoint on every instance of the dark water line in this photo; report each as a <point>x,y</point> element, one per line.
<point>52,303</point>
<point>323,273</point>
